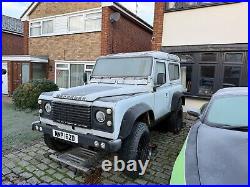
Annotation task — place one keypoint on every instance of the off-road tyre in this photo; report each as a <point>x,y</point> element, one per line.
<point>175,122</point>
<point>136,147</point>
<point>54,144</point>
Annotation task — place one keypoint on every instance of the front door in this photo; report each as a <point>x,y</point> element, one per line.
<point>17,74</point>
<point>161,95</point>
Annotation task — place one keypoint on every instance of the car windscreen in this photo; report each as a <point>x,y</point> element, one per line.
<point>229,111</point>
<point>123,67</point>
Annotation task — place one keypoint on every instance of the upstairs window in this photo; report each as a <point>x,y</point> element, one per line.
<point>93,21</point>
<point>47,27</point>
<point>35,29</point>
<point>76,23</point>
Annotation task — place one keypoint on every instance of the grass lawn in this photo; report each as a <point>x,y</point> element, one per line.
<point>16,127</point>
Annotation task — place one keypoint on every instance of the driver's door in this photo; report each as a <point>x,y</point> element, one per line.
<point>161,94</point>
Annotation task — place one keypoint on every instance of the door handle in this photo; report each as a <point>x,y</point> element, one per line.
<point>166,94</point>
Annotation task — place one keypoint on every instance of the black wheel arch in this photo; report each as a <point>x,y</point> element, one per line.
<point>131,117</point>
<point>176,97</point>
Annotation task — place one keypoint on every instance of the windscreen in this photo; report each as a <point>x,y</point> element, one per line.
<point>123,67</point>
<point>231,111</point>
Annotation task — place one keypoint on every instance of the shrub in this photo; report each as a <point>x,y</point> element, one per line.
<point>26,95</point>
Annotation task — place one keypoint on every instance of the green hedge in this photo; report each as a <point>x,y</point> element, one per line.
<point>26,95</point>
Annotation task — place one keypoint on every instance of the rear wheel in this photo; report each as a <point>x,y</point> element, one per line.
<point>136,147</point>
<point>54,144</point>
<point>176,119</point>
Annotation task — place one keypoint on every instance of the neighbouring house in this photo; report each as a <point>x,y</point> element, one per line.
<point>13,43</point>
<point>211,39</point>
<point>65,38</point>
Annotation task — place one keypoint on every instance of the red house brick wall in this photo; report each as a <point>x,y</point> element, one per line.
<point>12,44</point>
<point>158,26</point>
<point>123,35</point>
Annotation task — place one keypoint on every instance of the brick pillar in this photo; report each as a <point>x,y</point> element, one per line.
<point>158,26</point>
<point>106,35</point>
<point>26,37</point>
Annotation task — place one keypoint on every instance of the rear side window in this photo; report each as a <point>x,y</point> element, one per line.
<point>174,72</point>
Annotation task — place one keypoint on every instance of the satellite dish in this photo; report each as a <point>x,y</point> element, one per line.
<point>114,17</point>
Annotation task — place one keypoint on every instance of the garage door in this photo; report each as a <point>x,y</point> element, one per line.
<point>5,80</point>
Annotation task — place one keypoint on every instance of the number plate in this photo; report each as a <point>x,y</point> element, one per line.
<point>65,136</point>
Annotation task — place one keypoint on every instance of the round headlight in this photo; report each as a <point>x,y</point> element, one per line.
<point>100,116</point>
<point>47,107</point>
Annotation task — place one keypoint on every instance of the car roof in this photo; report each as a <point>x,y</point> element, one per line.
<point>232,91</point>
<point>154,54</point>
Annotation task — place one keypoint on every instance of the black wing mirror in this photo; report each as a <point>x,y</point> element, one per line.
<point>194,113</point>
<point>161,78</point>
<point>85,77</point>
<point>4,71</point>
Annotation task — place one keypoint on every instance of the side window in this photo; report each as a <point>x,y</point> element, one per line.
<point>160,68</point>
<point>174,73</point>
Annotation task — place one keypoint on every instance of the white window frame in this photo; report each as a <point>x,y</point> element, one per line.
<point>95,18</point>
<point>75,31</point>
<point>31,27</point>
<point>41,25</point>
<point>68,15</point>
<point>85,63</point>
<point>52,27</point>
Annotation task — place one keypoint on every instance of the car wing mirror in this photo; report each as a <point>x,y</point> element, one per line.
<point>85,77</point>
<point>203,107</point>
<point>194,113</point>
<point>161,78</point>
<point>4,71</point>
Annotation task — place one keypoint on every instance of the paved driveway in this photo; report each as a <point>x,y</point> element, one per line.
<point>25,160</point>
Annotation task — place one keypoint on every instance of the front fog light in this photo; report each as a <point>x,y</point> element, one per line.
<point>47,107</point>
<point>39,102</point>
<point>109,123</point>
<point>37,128</point>
<point>100,116</point>
<point>40,129</point>
<point>103,145</point>
<point>109,111</point>
<point>40,111</point>
<point>96,143</point>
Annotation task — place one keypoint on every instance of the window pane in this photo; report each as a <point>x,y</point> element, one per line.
<point>173,71</point>
<point>47,27</point>
<point>231,76</point>
<point>89,66</point>
<point>36,31</point>
<point>88,75</point>
<point>39,71</point>
<point>233,57</point>
<point>93,24</point>
<point>35,24</point>
<point>160,68</point>
<point>208,57</point>
<point>93,15</point>
<point>62,65</point>
<point>25,72</point>
<point>187,76</point>
<point>62,78</point>
<point>229,111</point>
<point>76,74</point>
<point>76,23</point>
<point>206,80</point>
<point>186,58</point>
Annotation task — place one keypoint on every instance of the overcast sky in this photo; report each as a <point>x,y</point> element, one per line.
<point>145,9</point>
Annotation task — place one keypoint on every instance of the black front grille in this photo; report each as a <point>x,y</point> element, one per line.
<point>75,115</point>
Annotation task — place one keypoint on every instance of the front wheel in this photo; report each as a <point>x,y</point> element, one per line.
<point>176,119</point>
<point>136,147</point>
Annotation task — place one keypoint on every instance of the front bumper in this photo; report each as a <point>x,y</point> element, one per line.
<point>83,139</point>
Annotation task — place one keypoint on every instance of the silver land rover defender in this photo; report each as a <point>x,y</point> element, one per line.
<point>126,95</point>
